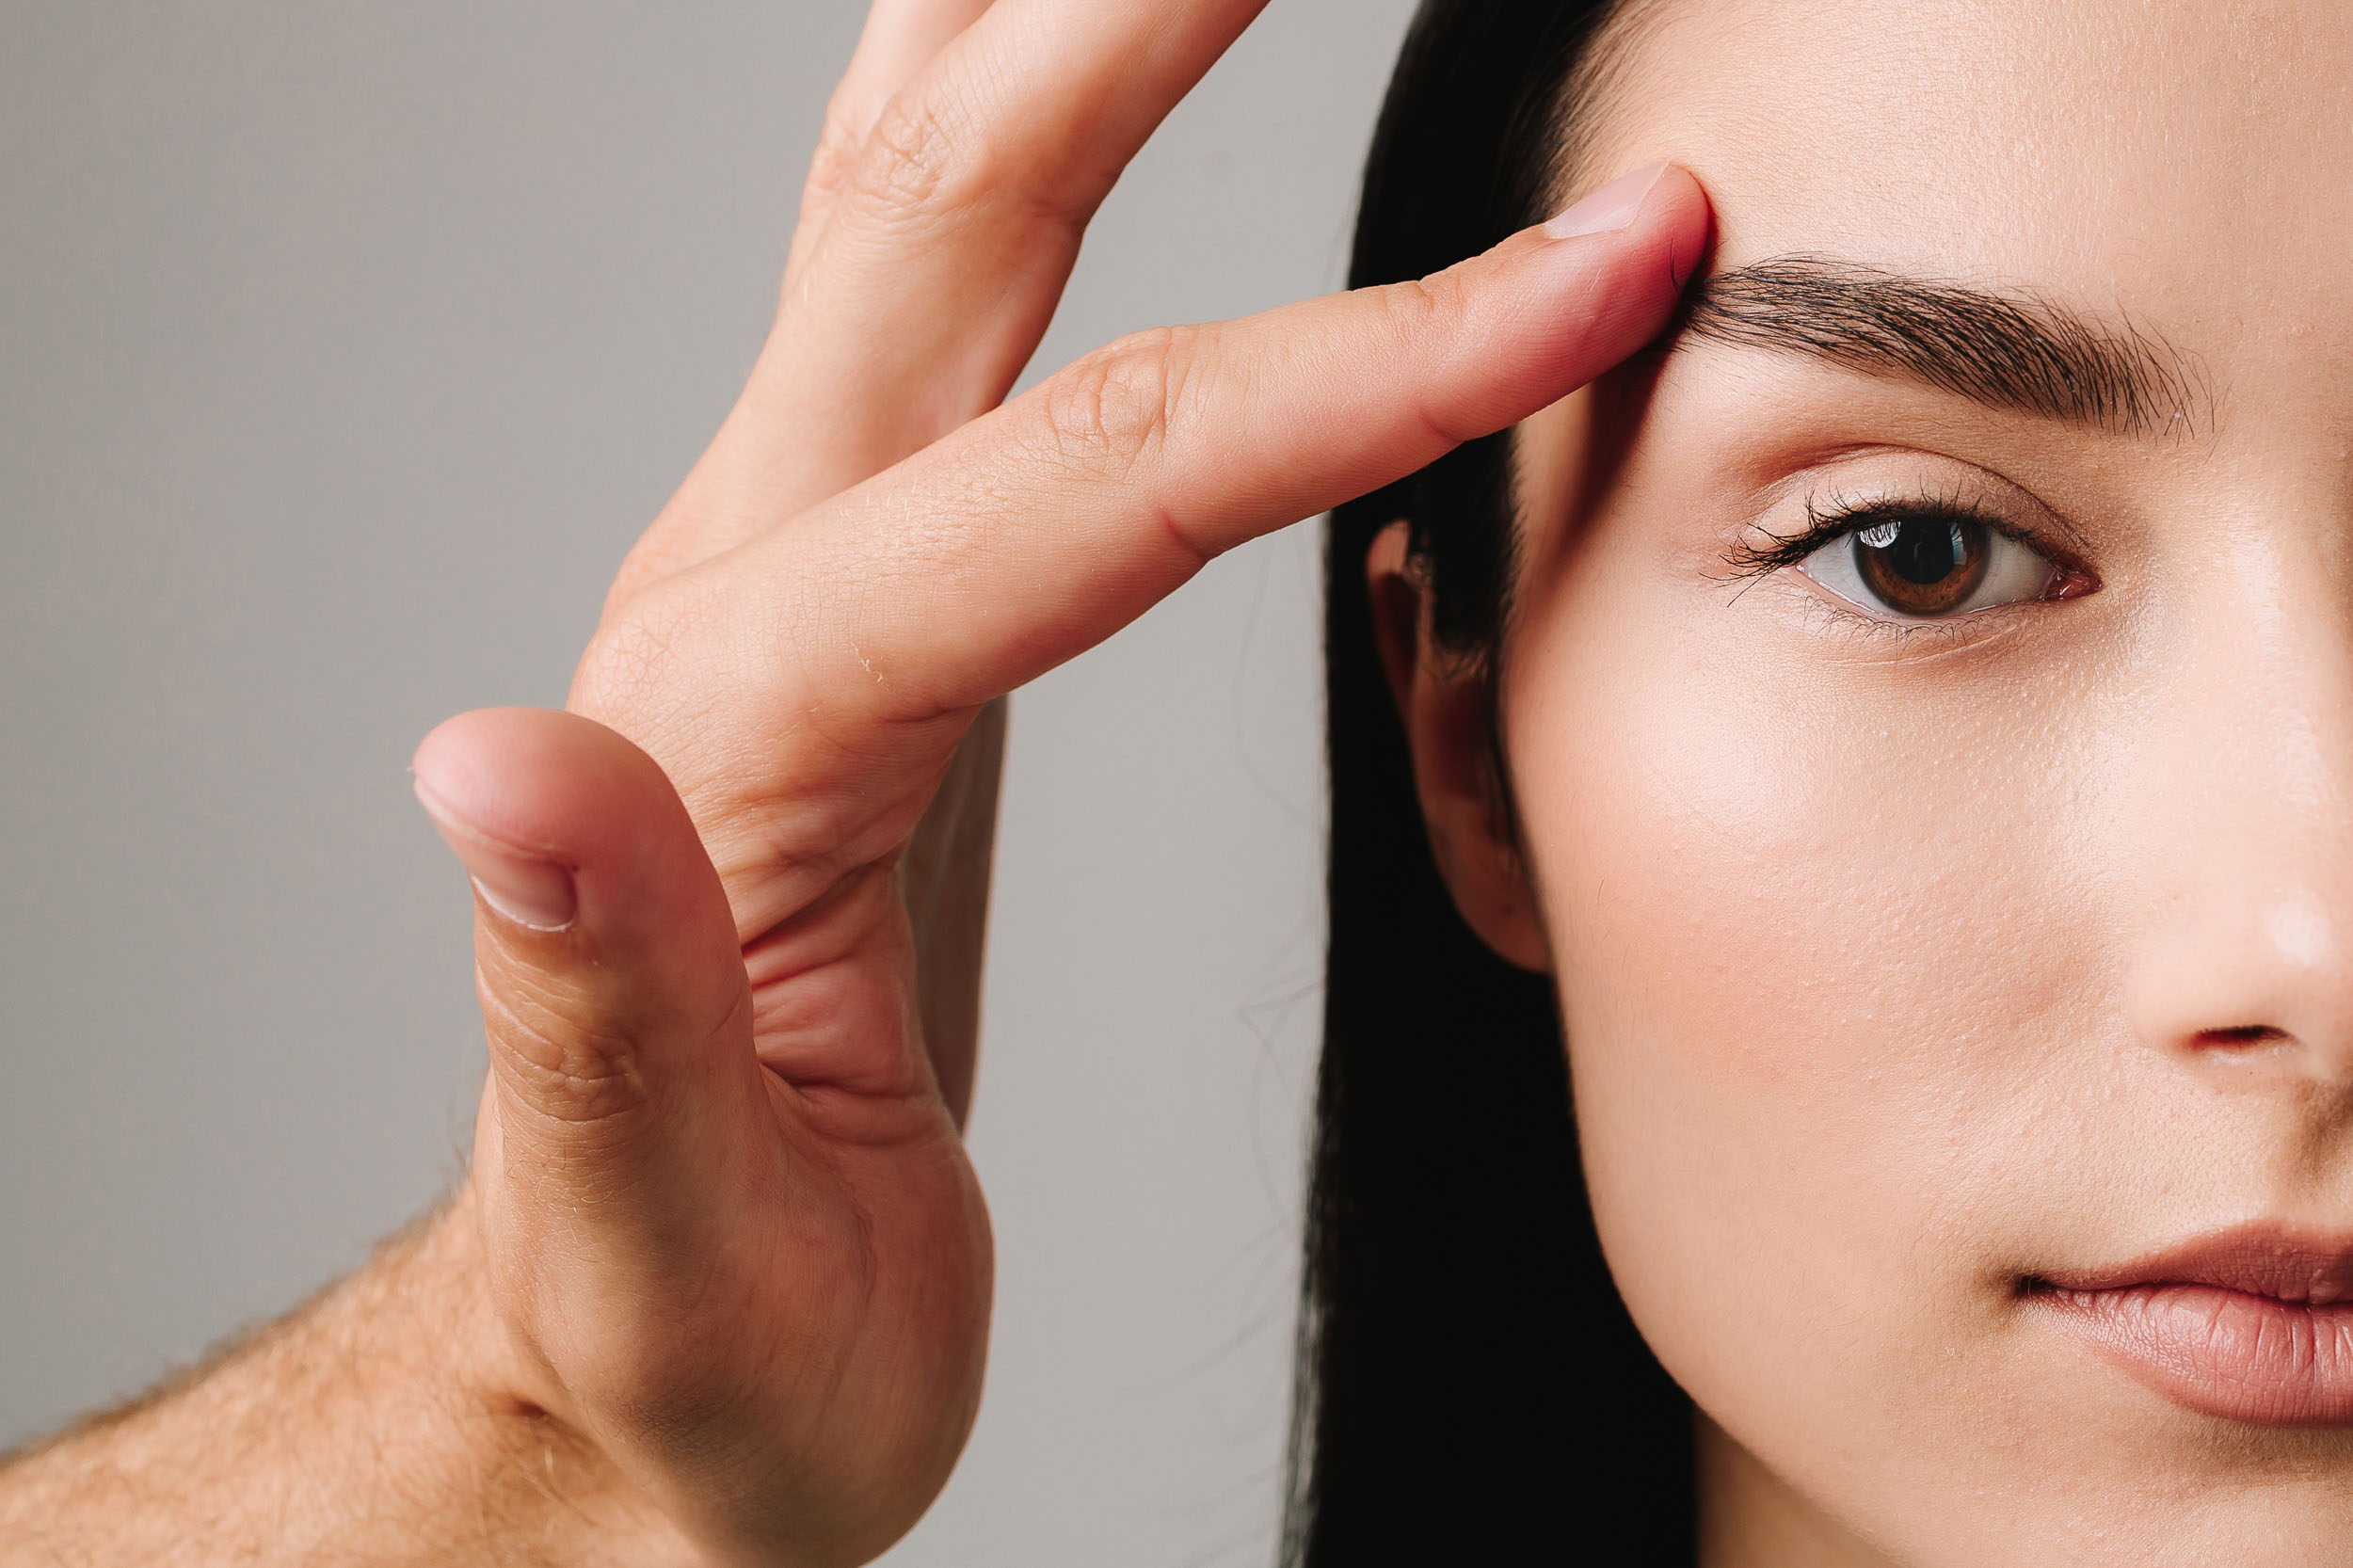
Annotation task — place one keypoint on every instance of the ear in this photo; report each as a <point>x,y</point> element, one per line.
<point>1446,727</point>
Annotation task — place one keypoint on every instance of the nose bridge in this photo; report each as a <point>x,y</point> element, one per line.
<point>2272,709</point>
<point>2250,832</point>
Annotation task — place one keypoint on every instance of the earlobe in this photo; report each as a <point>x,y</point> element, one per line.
<point>1444,709</point>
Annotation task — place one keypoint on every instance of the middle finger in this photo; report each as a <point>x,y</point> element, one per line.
<point>901,36</point>
<point>943,255</point>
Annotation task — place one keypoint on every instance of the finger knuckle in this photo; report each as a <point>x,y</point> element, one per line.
<point>1108,413</point>
<point>835,159</point>
<point>630,663</point>
<point>941,155</point>
<point>1417,316</point>
<point>1421,307</point>
<point>920,157</point>
<point>577,1073</point>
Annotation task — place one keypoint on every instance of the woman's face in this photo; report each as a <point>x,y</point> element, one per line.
<point>1929,939</point>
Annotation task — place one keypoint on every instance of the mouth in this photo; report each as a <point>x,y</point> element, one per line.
<point>2253,1325</point>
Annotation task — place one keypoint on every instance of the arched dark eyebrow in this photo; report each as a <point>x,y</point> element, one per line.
<point>2009,351</point>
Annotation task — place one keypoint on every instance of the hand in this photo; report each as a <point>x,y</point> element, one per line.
<point>732,1237</point>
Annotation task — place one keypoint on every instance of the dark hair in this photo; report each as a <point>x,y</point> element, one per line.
<point>1470,1388</point>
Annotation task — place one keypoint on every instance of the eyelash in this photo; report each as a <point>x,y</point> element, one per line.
<point>1831,519</point>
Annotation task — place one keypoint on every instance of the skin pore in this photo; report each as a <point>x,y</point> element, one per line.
<point>1905,963</point>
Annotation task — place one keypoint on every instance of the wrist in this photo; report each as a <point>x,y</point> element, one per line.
<point>384,1423</point>
<point>502,1447</point>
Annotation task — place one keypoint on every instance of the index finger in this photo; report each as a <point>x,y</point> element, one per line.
<point>1029,535</point>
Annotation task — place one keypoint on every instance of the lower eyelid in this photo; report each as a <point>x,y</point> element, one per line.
<point>1869,636</point>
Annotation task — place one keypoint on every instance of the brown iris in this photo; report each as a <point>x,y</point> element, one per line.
<point>1922,566</point>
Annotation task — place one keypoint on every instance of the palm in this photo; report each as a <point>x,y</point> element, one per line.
<point>817,1284</point>
<point>846,1261</point>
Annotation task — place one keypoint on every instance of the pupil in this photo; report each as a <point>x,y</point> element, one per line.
<point>1926,553</point>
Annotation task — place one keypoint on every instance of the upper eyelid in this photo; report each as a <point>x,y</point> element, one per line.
<point>1824,525</point>
<point>1831,512</point>
<point>1932,471</point>
<point>1953,630</point>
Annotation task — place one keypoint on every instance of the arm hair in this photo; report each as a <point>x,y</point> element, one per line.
<point>365,1429</point>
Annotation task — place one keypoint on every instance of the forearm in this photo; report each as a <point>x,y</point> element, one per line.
<point>374,1426</point>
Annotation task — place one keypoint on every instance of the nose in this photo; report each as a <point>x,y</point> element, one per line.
<point>2253,971</point>
<point>2246,867</point>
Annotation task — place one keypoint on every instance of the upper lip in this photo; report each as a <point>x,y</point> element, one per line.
<point>2313,1268</point>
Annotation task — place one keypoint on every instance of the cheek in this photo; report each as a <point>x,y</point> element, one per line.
<point>1818,975</point>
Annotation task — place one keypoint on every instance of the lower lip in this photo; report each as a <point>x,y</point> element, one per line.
<point>2222,1352</point>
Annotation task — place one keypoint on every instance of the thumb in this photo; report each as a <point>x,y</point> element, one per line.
<point>618,1015</point>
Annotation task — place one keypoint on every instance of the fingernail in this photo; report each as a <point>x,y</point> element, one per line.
<point>525,889</point>
<point>1610,209</point>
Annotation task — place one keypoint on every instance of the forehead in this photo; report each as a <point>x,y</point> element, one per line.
<point>2182,162</point>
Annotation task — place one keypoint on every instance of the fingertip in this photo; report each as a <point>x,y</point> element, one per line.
<point>1629,250</point>
<point>470,767</point>
<point>540,780</point>
<point>1563,302</point>
<point>479,794</point>
<point>530,796</point>
<point>1685,221</point>
<point>1677,198</point>
<point>1662,205</point>
<point>1657,193</point>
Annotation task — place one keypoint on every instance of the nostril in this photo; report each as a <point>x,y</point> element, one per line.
<point>2239,1035</point>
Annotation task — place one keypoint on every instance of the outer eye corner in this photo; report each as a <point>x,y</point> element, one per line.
<point>2074,581</point>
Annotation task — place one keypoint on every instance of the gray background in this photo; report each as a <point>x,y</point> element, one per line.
<point>342,351</point>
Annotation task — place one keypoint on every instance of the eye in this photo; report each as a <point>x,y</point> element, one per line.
<point>1928,566</point>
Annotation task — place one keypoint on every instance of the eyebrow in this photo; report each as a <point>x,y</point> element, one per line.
<point>2017,351</point>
